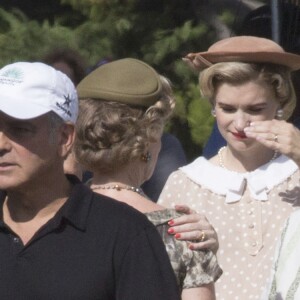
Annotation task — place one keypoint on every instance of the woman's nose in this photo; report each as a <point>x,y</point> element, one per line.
<point>241,121</point>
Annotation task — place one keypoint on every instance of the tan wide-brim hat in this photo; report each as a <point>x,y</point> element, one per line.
<point>244,49</point>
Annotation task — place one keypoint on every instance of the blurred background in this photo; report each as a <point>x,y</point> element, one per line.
<point>160,32</point>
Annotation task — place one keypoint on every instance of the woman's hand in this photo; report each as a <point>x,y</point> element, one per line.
<point>195,229</point>
<point>277,135</point>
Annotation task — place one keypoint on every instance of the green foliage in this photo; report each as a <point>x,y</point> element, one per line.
<point>199,117</point>
<point>227,17</point>
<point>28,40</point>
<point>160,35</point>
<point>193,113</point>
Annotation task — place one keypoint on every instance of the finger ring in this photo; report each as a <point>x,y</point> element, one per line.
<point>275,138</point>
<point>202,237</point>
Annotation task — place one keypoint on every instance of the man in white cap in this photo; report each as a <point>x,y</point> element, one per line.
<point>58,239</point>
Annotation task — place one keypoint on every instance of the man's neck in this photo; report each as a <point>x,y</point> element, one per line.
<point>25,213</point>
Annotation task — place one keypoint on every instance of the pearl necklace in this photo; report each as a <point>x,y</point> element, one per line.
<point>118,188</point>
<point>221,162</point>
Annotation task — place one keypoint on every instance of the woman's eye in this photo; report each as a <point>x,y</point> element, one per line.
<point>255,110</point>
<point>228,109</point>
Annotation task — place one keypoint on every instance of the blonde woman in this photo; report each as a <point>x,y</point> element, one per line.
<point>251,186</point>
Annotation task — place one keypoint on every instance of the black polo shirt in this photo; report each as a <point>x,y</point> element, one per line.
<point>94,248</point>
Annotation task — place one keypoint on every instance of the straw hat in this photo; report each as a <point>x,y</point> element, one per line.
<point>244,49</point>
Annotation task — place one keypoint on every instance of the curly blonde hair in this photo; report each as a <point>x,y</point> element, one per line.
<point>110,134</point>
<point>275,76</point>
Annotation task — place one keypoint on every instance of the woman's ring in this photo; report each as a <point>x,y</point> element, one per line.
<point>275,138</point>
<point>202,237</point>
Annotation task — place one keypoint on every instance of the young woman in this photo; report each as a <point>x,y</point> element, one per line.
<point>251,186</point>
<point>123,109</point>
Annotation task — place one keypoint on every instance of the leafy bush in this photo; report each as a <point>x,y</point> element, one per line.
<point>157,32</point>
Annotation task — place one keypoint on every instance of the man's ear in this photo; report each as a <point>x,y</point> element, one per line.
<point>66,139</point>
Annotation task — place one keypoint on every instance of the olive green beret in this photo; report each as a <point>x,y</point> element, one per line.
<point>127,80</point>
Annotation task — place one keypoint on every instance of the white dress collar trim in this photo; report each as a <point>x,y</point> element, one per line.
<point>232,184</point>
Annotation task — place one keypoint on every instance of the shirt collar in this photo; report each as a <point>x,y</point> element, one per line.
<point>76,208</point>
<point>232,184</point>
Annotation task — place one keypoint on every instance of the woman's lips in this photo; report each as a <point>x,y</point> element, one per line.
<point>239,135</point>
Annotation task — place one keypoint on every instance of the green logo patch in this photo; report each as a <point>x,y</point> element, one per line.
<point>13,73</point>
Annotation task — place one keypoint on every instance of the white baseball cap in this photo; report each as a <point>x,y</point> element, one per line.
<point>29,90</point>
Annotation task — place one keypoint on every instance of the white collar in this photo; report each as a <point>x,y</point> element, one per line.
<point>231,184</point>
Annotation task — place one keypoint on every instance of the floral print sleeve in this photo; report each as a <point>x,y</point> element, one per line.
<point>192,268</point>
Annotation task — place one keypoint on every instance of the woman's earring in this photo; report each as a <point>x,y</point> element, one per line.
<point>279,113</point>
<point>213,112</point>
<point>146,157</point>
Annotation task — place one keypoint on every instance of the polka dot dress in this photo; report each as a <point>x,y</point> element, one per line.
<point>247,229</point>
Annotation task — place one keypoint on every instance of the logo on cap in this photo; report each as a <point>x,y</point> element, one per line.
<point>68,101</point>
<point>65,106</point>
<point>12,76</point>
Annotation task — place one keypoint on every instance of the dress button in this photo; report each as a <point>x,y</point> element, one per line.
<point>250,212</point>
<point>254,244</point>
<point>251,226</point>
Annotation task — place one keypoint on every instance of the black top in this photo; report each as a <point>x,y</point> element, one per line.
<point>94,248</point>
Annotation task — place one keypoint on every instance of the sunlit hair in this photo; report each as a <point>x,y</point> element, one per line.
<point>278,78</point>
<point>110,135</point>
